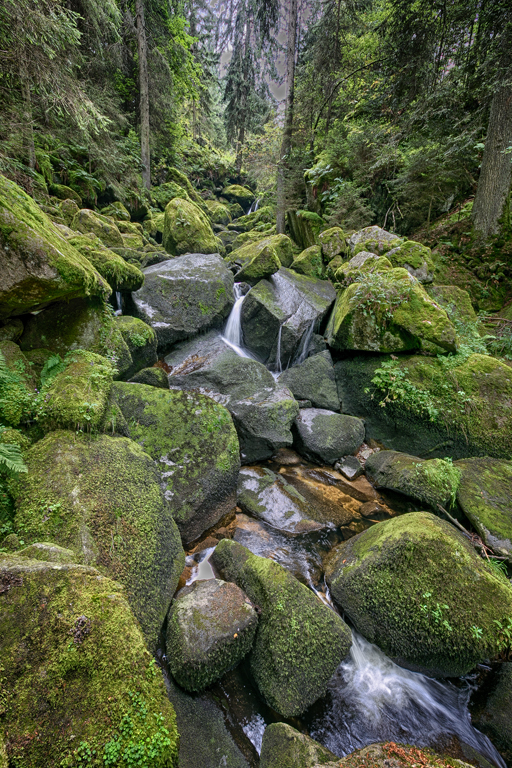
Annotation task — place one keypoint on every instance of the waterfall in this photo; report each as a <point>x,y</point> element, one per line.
<point>233,330</point>
<point>119,303</point>
<point>254,207</point>
<point>278,368</point>
<point>303,348</point>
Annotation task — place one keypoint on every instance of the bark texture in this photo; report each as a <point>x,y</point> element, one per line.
<point>288,117</point>
<point>144,94</point>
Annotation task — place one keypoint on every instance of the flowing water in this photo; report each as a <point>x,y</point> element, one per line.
<point>233,330</point>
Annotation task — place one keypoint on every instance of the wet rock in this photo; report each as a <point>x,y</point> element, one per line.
<point>325,435</point>
<point>313,380</point>
<point>415,586</point>
<point>350,467</point>
<point>299,642</point>
<point>373,509</point>
<point>494,719</point>
<point>262,411</point>
<point>280,311</point>
<point>187,229</point>
<point>182,297</point>
<point>267,496</point>
<point>194,443</point>
<point>484,494</point>
<point>153,377</point>
<point>211,627</point>
<point>284,747</point>
<point>433,482</point>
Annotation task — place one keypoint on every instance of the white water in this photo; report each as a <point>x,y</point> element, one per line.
<point>201,568</point>
<point>373,699</point>
<point>119,305</point>
<point>302,351</point>
<point>233,330</point>
<point>254,207</point>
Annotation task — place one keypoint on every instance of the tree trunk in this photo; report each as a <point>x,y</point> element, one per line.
<point>28,127</point>
<point>144,94</point>
<point>288,117</point>
<point>244,95</point>
<point>496,171</point>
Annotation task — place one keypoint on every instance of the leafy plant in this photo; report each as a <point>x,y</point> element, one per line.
<point>392,380</point>
<point>378,298</point>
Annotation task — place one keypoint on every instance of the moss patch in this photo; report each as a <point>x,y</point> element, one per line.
<point>187,229</point>
<point>120,275</point>
<point>310,262</point>
<point>284,747</point>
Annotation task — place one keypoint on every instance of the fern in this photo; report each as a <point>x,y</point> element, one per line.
<point>51,368</point>
<point>11,459</point>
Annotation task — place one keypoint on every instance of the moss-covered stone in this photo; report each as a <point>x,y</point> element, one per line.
<point>141,341</point>
<point>261,218</point>
<point>485,494</point>
<point>48,552</point>
<point>237,194</point>
<point>133,240</point>
<point>260,266</point>
<point>65,193</point>
<point>392,755</point>
<point>332,242</point>
<point>100,496</point>
<point>39,265</point>
<point>210,629</point>
<point>299,642</point>
<point>77,681</point>
<point>433,482</point>
<point>163,194</point>
<point>181,180</point>
<point>358,267</point>
<point>373,239</point>
<point>284,747</point>
<point>455,301</point>
<point>187,229</point>
<point>17,387</point>
<point>415,257</point>
<point>101,226</point>
<point>217,212</point>
<point>68,210</point>
<point>153,377</point>
<point>415,586</point>
<point>388,312</point>
<point>120,275</point>
<point>244,252</point>
<point>194,442</point>
<point>37,359</point>
<point>117,211</point>
<point>310,262</point>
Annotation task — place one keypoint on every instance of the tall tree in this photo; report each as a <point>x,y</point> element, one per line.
<point>143,93</point>
<point>286,145</point>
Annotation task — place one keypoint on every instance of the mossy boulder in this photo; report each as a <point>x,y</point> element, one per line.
<point>181,297</point>
<point>310,262</point>
<point>78,324</point>
<point>187,229</point>
<point>455,301</point>
<point>153,377</point>
<point>75,670</point>
<point>414,586</point>
<point>162,195</point>
<point>299,642</point>
<point>217,212</point>
<point>284,747</point>
<point>415,258</point>
<point>65,193</point>
<point>327,436</point>
<point>39,265</point>
<point>485,494</point>
<point>354,270</point>
<point>182,181</point>
<point>261,219</point>
<point>48,552</point>
<point>313,380</point>
<point>101,226</point>
<point>17,386</point>
<point>333,243</point>
<point>194,443</point>
<point>211,627</point>
<point>388,312</point>
<point>141,341</point>
<point>257,263</point>
<point>450,405</point>
<point>374,239</point>
<point>120,275</point>
<point>68,210</point>
<point>133,240</point>
<point>101,497</point>
<point>235,193</point>
<point>117,211</point>
<point>247,244</point>
<point>433,482</point>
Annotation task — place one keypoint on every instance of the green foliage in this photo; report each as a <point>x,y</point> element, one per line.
<point>379,298</point>
<point>16,400</point>
<point>395,385</point>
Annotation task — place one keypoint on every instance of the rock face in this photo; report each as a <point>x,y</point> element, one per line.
<point>325,435</point>
<point>284,747</point>
<point>494,720</point>
<point>313,380</point>
<point>388,312</point>
<point>484,494</point>
<point>38,265</point>
<point>415,586</point>
<point>262,411</point>
<point>75,668</point>
<point>120,275</point>
<point>267,496</point>
<point>299,642</point>
<point>280,311</point>
<point>433,482</point>
<point>374,236</point>
<point>187,229</point>
<point>210,629</point>
<point>194,443</point>
<point>100,496</point>
<point>141,342</point>
<point>182,297</point>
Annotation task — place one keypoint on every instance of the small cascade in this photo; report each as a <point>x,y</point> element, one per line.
<point>254,207</point>
<point>302,351</point>
<point>119,303</point>
<point>201,568</point>
<point>233,331</point>
<point>278,368</point>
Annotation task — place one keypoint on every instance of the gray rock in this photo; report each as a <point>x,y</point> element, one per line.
<point>350,467</point>
<point>494,720</point>
<point>267,496</point>
<point>262,411</point>
<point>183,296</point>
<point>153,377</point>
<point>371,233</point>
<point>284,747</point>
<point>210,629</point>
<point>325,435</point>
<point>313,380</point>
<point>279,312</point>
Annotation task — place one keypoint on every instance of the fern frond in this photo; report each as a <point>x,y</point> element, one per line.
<point>51,368</point>
<point>11,458</point>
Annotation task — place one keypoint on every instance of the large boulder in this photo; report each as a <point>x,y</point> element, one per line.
<point>310,262</point>
<point>277,313</point>
<point>333,243</point>
<point>163,194</point>
<point>485,494</point>
<point>141,341</point>
<point>210,629</point>
<point>17,386</point>
<point>262,265</point>
<point>120,275</point>
<point>313,380</point>
<point>217,212</point>
<point>187,229</point>
<point>38,265</point>
<point>415,258</point>
<point>195,446</point>
<point>237,194</point>
<point>421,405</point>
<point>181,297</point>
<point>281,244</point>
<point>373,239</point>
<point>99,225</point>
<point>101,497</point>
<point>75,671</point>
<point>455,301</point>
<point>389,312</point>
<point>284,747</point>
<point>415,586</point>
<point>433,482</point>
<point>300,641</point>
<point>263,411</point>
<point>327,436</point>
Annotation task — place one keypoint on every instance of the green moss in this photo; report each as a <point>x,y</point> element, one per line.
<point>187,229</point>
<point>238,194</point>
<point>101,497</point>
<point>117,272</point>
<point>117,210</point>
<point>164,193</point>
<point>310,262</point>
<point>262,265</point>
<point>72,692</point>
<point>263,216</point>
<point>247,245</point>
<point>218,213</point>
<point>284,747</point>
<point>181,180</point>
<point>333,243</point>
<point>299,642</point>
<point>413,254</point>
<point>17,385</point>
<point>415,586</point>
<point>375,245</point>
<point>141,341</point>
